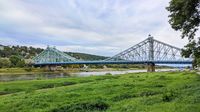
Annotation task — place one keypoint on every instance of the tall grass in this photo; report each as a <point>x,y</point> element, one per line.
<point>139,92</point>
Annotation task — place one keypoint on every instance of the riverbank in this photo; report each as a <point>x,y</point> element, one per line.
<point>77,73</point>
<point>21,71</point>
<point>133,92</point>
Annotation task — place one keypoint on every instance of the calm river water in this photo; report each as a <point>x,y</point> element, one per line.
<point>11,77</point>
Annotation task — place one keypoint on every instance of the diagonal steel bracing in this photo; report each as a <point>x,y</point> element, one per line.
<point>150,50</point>
<point>53,55</point>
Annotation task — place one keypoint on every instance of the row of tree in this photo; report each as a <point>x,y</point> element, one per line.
<point>84,56</point>
<point>23,51</point>
<point>12,61</point>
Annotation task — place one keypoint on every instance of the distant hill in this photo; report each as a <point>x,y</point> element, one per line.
<point>30,52</point>
<point>23,51</point>
<point>85,56</point>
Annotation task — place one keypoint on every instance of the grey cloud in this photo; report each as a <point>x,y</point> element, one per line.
<point>103,27</point>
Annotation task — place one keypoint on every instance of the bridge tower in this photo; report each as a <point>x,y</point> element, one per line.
<point>151,65</point>
<point>52,55</point>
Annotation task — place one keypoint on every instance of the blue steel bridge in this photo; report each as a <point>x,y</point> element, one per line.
<point>148,52</point>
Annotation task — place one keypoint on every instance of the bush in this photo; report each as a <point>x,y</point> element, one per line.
<point>169,96</point>
<point>16,61</point>
<point>4,63</point>
<point>28,69</point>
<point>123,97</point>
<point>4,92</point>
<point>148,93</point>
<point>162,77</point>
<point>83,107</point>
<point>44,86</point>
<point>11,90</point>
<point>68,83</point>
<point>108,74</point>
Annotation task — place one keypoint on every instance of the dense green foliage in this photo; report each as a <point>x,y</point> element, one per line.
<point>192,49</point>
<point>13,61</point>
<point>16,61</point>
<point>136,92</point>
<point>14,56</point>
<point>22,51</point>
<point>185,17</point>
<point>4,62</point>
<point>84,56</point>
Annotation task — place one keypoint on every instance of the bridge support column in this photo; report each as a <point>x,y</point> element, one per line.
<point>151,67</point>
<point>50,68</point>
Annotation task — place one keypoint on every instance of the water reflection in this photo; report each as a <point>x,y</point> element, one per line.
<point>12,77</point>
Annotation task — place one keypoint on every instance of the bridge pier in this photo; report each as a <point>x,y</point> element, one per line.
<point>151,67</point>
<point>50,67</point>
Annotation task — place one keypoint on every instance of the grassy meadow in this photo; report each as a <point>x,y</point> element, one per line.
<point>134,92</point>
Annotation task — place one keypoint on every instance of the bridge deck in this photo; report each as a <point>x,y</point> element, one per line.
<point>114,62</point>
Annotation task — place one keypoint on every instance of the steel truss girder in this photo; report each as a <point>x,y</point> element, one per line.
<point>150,50</point>
<point>52,55</point>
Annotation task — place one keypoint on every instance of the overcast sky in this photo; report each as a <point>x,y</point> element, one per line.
<point>102,27</point>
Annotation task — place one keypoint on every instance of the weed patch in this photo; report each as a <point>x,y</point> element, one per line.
<point>107,77</point>
<point>152,100</point>
<point>4,92</point>
<point>86,81</point>
<point>162,77</point>
<point>129,85</point>
<point>169,96</point>
<point>159,85</point>
<point>122,97</point>
<point>68,83</point>
<point>44,86</point>
<point>83,107</point>
<point>10,90</point>
<point>148,93</point>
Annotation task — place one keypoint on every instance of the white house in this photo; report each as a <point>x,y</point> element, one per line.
<point>1,47</point>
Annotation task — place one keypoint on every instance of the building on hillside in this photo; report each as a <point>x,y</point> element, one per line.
<point>28,61</point>
<point>1,47</point>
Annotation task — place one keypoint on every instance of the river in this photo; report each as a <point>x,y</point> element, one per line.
<point>12,77</point>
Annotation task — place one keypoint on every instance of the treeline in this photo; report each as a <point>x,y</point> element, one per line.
<point>84,56</point>
<point>16,56</point>
<point>12,61</point>
<point>21,51</point>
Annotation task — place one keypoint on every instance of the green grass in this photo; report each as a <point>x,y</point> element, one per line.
<point>136,92</point>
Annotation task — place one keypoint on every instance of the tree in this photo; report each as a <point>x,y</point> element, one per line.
<point>21,63</point>
<point>4,63</point>
<point>16,61</point>
<point>192,49</point>
<point>185,17</point>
